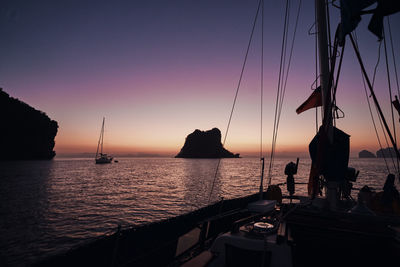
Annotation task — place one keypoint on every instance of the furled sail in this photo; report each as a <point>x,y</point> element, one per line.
<point>351,11</point>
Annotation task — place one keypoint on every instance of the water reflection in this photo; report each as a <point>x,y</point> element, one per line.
<point>198,178</point>
<point>50,206</point>
<point>24,188</point>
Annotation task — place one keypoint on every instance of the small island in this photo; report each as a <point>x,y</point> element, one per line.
<point>205,144</point>
<point>388,152</point>
<point>26,133</point>
<point>366,154</point>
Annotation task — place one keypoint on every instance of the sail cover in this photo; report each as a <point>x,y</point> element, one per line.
<point>328,159</point>
<point>332,158</point>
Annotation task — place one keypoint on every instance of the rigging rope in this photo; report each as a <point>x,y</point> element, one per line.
<point>376,108</point>
<point>395,69</point>
<point>316,69</point>
<point>278,92</point>
<point>236,94</point>
<point>328,20</point>
<point>393,56</point>
<point>386,139</point>
<point>369,105</point>
<point>372,116</point>
<point>282,81</point>
<point>261,104</point>
<point>390,93</point>
<point>337,78</point>
<point>290,60</point>
<point>287,70</point>
<point>262,83</point>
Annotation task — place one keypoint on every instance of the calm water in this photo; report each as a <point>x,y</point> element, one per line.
<point>49,206</point>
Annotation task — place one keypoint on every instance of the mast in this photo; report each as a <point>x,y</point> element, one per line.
<point>327,127</point>
<point>100,140</point>
<point>324,63</point>
<point>102,136</point>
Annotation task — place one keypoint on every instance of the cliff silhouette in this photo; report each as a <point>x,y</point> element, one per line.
<point>26,133</point>
<point>205,144</point>
<point>366,154</point>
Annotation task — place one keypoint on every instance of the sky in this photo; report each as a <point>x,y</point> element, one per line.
<point>157,70</point>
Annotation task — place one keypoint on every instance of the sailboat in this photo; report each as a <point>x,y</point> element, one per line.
<point>263,229</point>
<point>101,157</point>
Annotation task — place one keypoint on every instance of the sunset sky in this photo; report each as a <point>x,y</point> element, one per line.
<point>157,70</point>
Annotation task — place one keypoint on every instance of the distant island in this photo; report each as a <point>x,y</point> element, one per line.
<point>388,152</point>
<point>205,144</point>
<point>366,154</point>
<point>26,133</point>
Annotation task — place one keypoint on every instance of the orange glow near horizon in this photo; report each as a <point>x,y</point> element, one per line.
<point>245,149</point>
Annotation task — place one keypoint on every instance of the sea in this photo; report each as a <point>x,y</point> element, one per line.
<point>49,207</point>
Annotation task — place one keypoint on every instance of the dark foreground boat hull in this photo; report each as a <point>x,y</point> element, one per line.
<point>318,238</point>
<point>326,238</point>
<point>154,244</point>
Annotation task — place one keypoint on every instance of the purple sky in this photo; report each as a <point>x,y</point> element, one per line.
<point>157,70</point>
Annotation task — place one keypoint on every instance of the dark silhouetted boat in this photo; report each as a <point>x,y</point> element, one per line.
<point>269,228</point>
<point>102,158</point>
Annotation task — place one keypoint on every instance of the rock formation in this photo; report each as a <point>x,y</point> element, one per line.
<point>205,144</point>
<point>388,152</point>
<point>366,154</point>
<point>26,133</point>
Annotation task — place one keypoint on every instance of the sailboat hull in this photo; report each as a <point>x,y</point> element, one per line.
<point>104,160</point>
<point>317,238</point>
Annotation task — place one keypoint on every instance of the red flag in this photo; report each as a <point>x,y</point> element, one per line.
<point>315,100</point>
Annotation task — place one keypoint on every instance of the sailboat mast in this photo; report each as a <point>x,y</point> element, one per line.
<point>100,141</point>
<point>327,126</point>
<point>320,6</point>
<point>102,136</point>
